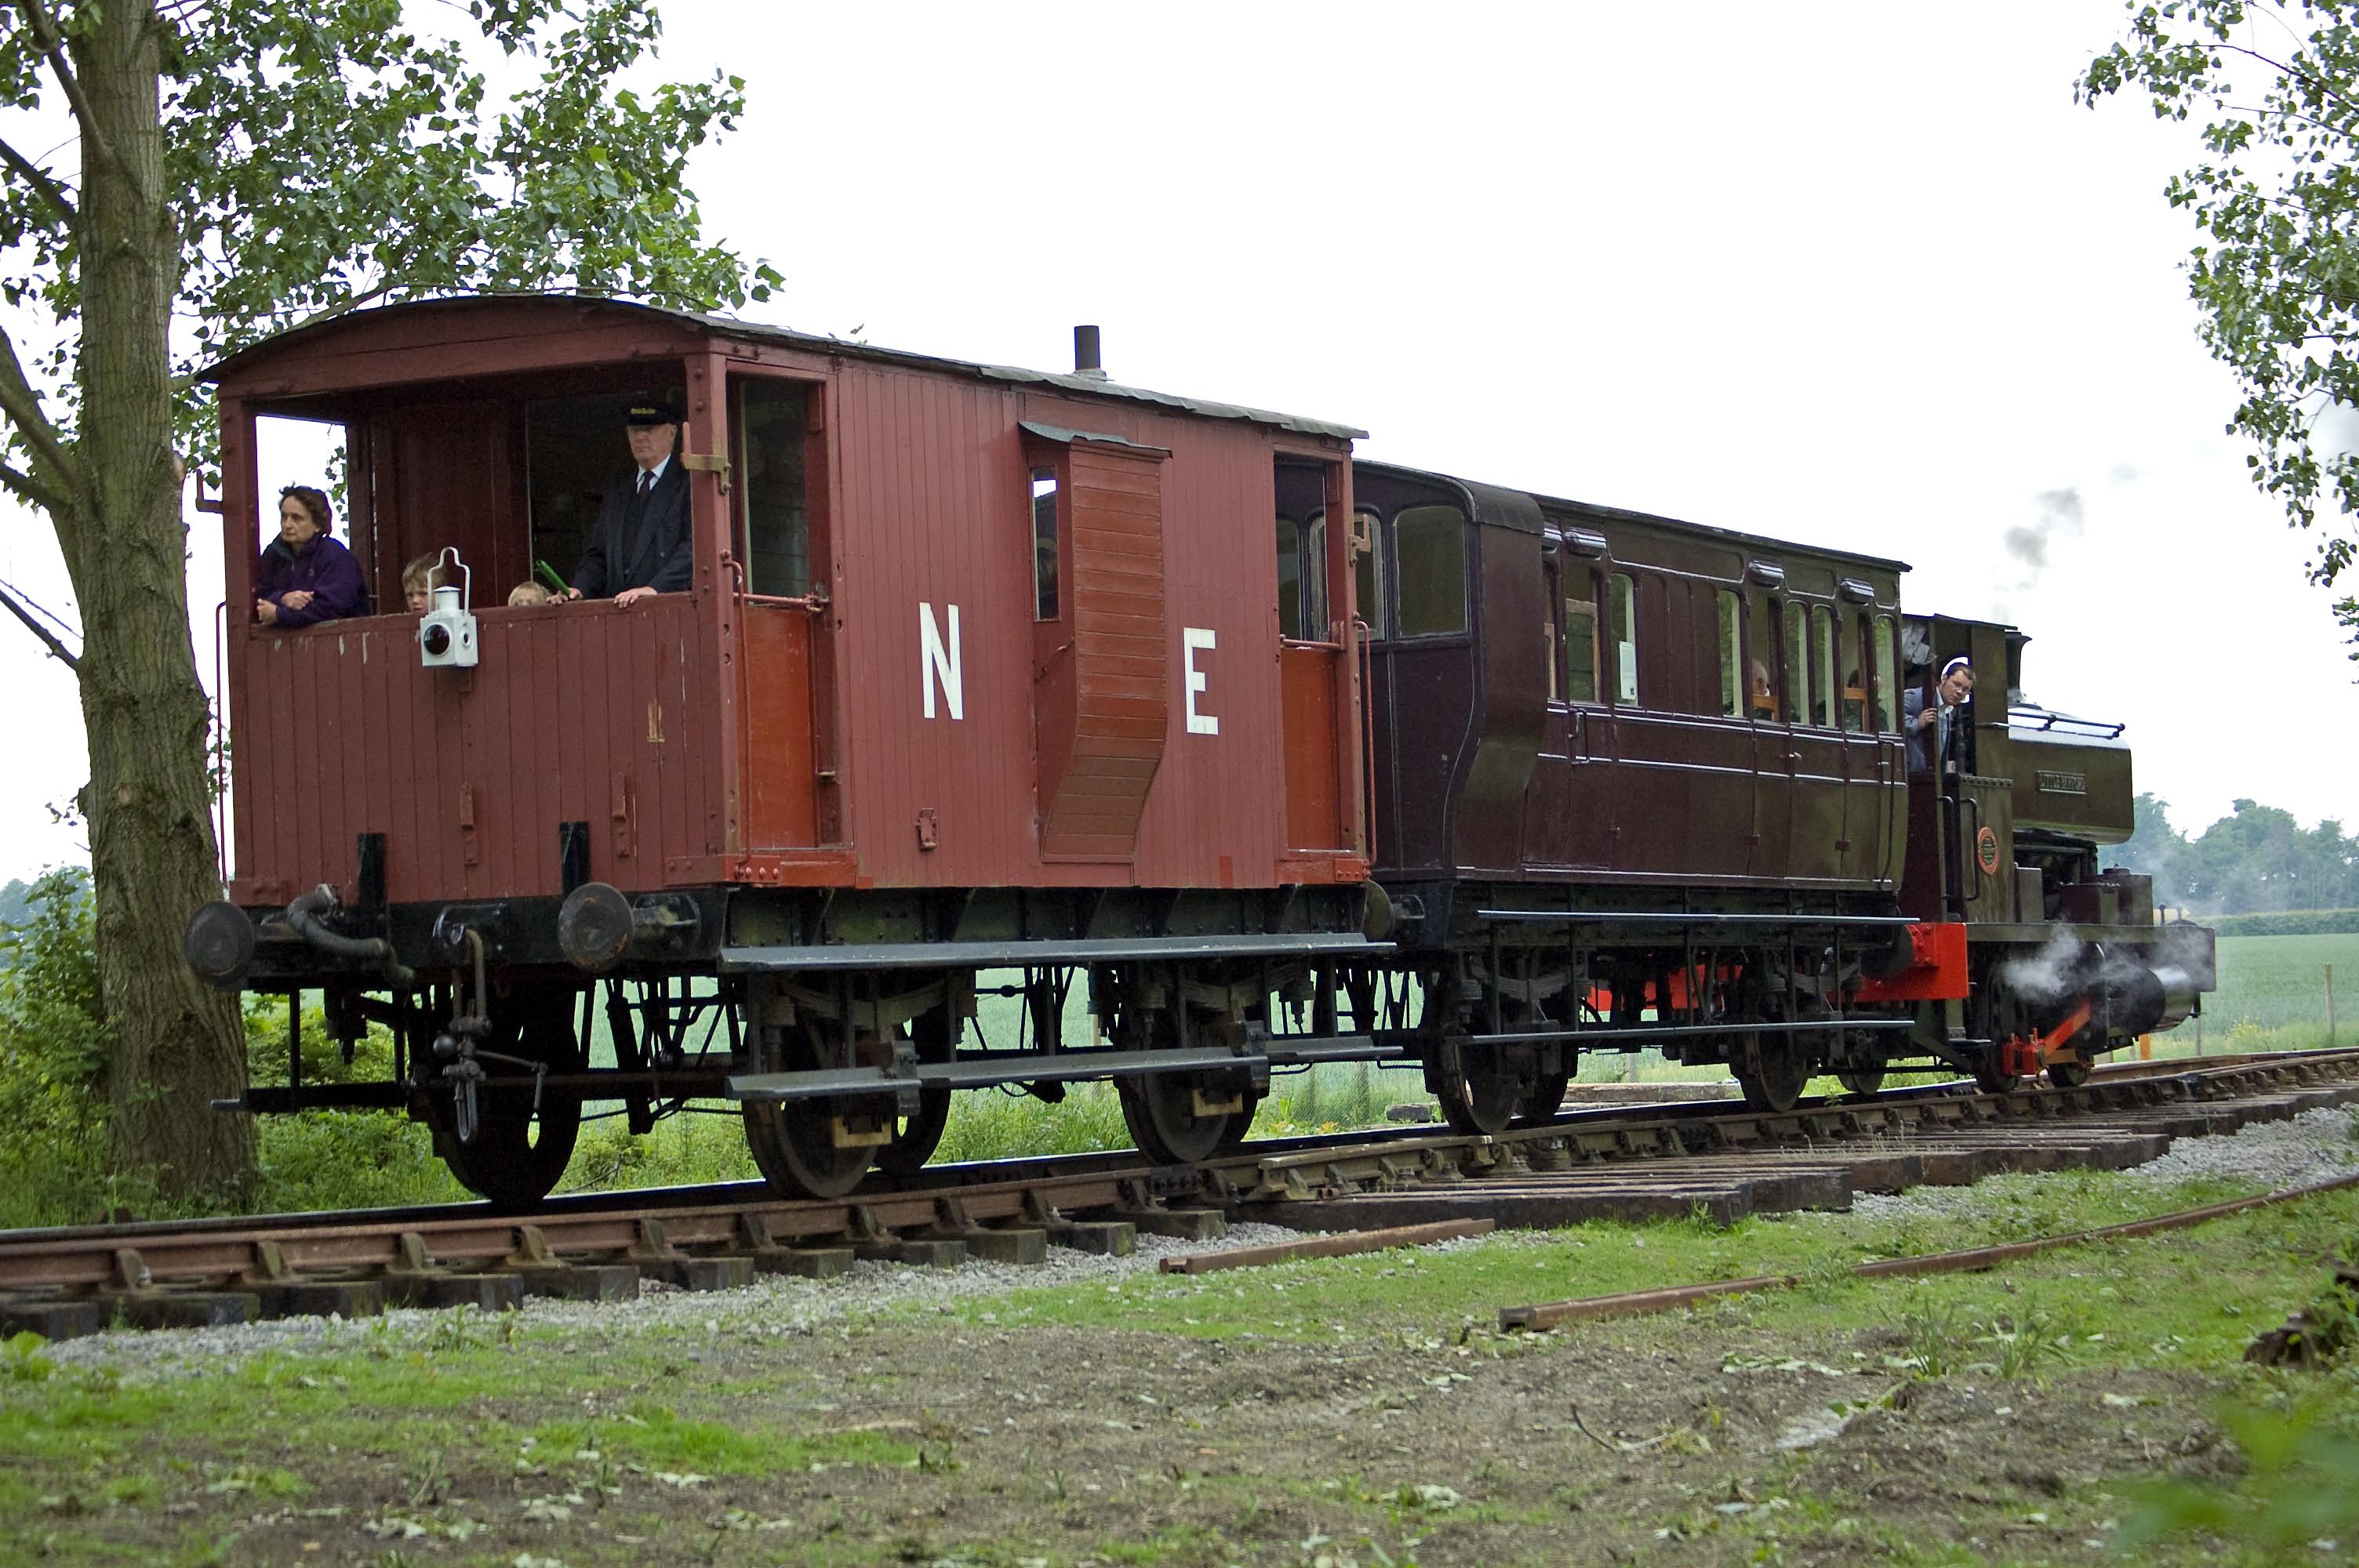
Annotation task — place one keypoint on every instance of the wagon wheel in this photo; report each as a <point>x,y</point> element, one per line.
<point>1162,1111</point>
<point>2069,1074</point>
<point>517,1152</point>
<point>1772,1073</point>
<point>1481,1096</point>
<point>820,1147</point>
<point>915,1138</point>
<point>1546,1098</point>
<point>1861,1081</point>
<point>1241,1122</point>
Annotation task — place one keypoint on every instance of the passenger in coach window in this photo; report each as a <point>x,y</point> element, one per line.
<point>1934,728</point>
<point>641,542</point>
<point>305,576</point>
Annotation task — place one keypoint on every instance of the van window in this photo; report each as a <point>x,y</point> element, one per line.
<point>1580,639</point>
<point>1622,593</point>
<point>1796,646</point>
<point>1887,677</point>
<point>1289,578</point>
<point>1822,667</point>
<point>1314,579</point>
<point>1044,543</point>
<point>1732,655</point>
<point>771,439</point>
<point>1430,575</point>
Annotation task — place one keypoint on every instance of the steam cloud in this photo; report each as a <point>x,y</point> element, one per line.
<point>2057,513</point>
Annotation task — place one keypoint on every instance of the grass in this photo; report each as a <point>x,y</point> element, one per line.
<point>460,1438</point>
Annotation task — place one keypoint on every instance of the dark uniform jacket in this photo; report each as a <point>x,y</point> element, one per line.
<point>324,568</point>
<point>635,544</point>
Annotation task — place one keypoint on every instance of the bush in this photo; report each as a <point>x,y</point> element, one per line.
<point>2284,922</point>
<point>53,1040</point>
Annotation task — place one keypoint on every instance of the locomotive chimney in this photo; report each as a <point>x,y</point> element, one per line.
<point>1085,353</point>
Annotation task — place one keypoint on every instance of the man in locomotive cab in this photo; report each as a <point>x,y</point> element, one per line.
<point>641,542</point>
<point>1937,728</point>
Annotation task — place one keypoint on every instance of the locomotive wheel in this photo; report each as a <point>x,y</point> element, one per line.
<point>1544,1100</point>
<point>1992,1081</point>
<point>1159,1108</point>
<point>1861,1081</point>
<point>518,1153</point>
<point>1481,1098</point>
<point>2069,1074</point>
<point>1772,1073</point>
<point>794,1141</point>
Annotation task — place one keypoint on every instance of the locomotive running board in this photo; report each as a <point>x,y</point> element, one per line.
<point>1684,1032</point>
<point>1062,1066</point>
<point>1018,954</point>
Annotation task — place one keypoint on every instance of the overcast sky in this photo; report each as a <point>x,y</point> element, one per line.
<point>1857,275</point>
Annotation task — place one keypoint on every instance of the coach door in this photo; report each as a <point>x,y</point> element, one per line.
<point>1320,647</point>
<point>778,517</point>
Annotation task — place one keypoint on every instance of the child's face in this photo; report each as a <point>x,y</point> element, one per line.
<point>420,601</point>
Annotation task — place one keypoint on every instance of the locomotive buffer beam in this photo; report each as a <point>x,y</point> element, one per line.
<point>1063,1067</point>
<point>1018,953</point>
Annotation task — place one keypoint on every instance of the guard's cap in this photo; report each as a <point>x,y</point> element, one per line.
<point>651,411</point>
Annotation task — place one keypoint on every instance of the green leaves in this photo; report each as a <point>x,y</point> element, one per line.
<point>2277,90</point>
<point>323,153</point>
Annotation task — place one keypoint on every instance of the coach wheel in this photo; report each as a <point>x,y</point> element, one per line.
<point>1861,1081</point>
<point>1546,1097</point>
<point>518,1149</point>
<point>1178,1119</point>
<point>2072,1075</point>
<point>1481,1096</point>
<point>819,1147</point>
<point>1772,1073</point>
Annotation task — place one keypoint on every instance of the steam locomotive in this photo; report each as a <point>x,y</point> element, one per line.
<point>993,681</point>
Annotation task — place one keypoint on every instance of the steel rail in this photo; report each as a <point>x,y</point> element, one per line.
<point>659,1227</point>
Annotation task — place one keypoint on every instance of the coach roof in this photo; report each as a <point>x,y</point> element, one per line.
<point>729,327</point>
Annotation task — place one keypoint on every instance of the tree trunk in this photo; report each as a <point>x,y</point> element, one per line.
<point>176,1045</point>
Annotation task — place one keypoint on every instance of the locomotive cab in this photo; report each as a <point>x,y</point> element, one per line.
<point>2064,962</point>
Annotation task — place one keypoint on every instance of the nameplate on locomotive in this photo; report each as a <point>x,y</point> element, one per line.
<point>2062,784</point>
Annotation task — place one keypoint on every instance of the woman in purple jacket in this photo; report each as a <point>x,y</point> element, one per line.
<point>305,576</point>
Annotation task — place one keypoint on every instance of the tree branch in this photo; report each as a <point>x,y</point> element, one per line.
<point>45,34</point>
<point>22,404</point>
<point>39,179</point>
<point>56,650</point>
<point>30,491</point>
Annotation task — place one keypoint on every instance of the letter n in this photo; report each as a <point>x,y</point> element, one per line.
<point>939,662</point>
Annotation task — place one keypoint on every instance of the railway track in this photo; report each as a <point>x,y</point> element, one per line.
<point>1623,1161</point>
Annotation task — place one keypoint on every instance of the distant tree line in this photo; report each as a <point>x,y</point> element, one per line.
<point>2257,859</point>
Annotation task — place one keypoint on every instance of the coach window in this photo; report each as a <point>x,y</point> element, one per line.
<point>1795,644</point>
<point>1621,595</point>
<point>1289,579</point>
<point>1044,543</point>
<point>1858,657</point>
<point>1429,579</point>
<point>773,516</point>
<point>1822,667</point>
<point>1732,655</point>
<point>1887,677</point>
<point>1580,639</point>
<point>1761,657</point>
